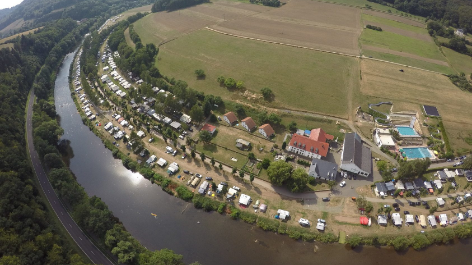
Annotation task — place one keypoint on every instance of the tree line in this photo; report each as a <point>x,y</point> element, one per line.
<point>273,3</point>
<point>171,5</point>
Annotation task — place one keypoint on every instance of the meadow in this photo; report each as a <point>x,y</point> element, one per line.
<point>300,79</point>
<point>393,23</point>
<point>460,62</point>
<point>396,42</point>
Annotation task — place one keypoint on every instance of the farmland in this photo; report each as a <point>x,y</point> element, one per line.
<point>394,24</point>
<point>460,62</point>
<point>415,87</point>
<point>300,79</point>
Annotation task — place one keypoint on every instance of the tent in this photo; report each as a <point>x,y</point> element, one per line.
<point>364,220</point>
<point>283,214</point>
<point>422,221</point>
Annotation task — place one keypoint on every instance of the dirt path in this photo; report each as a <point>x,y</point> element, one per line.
<point>404,54</point>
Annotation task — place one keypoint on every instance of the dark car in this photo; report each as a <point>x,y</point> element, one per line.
<point>397,209</point>
<point>395,205</point>
<point>224,183</point>
<point>186,171</point>
<point>418,203</point>
<point>406,212</point>
<point>424,203</point>
<point>325,199</point>
<point>426,206</point>
<point>190,129</point>
<point>411,203</point>
<point>417,219</point>
<point>209,178</point>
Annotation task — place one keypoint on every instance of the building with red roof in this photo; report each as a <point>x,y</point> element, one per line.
<point>209,128</point>
<point>266,130</point>
<point>320,135</point>
<point>230,118</point>
<point>305,146</point>
<point>248,124</point>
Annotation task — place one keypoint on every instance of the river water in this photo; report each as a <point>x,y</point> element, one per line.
<point>215,239</point>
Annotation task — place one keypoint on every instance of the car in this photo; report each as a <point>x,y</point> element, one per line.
<point>224,183</point>
<point>190,129</point>
<point>354,177</point>
<point>426,206</point>
<point>406,212</point>
<point>209,178</point>
<point>236,188</point>
<point>449,160</point>
<point>181,136</point>
<point>174,153</point>
<point>322,221</point>
<point>198,175</point>
<point>184,155</point>
<point>394,169</point>
<point>150,140</point>
<point>386,205</point>
<point>417,219</point>
<point>424,202</point>
<point>304,222</point>
<point>395,205</point>
<point>397,209</point>
<point>325,199</point>
<point>342,184</point>
<point>412,203</point>
<point>418,203</point>
<point>186,171</point>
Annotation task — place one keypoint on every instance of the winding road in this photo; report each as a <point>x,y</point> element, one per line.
<point>90,250</point>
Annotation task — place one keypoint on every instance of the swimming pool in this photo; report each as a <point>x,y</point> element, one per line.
<point>406,131</point>
<point>417,152</point>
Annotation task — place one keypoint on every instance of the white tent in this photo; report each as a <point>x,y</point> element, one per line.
<point>440,201</point>
<point>162,162</point>
<point>283,214</point>
<point>409,219</point>
<point>443,219</point>
<point>244,199</point>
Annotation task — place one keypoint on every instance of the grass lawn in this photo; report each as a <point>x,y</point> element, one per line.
<point>393,23</point>
<point>300,79</point>
<point>151,34</point>
<point>375,6</point>
<point>409,61</point>
<point>401,43</point>
<point>128,39</point>
<point>460,62</point>
<point>221,154</point>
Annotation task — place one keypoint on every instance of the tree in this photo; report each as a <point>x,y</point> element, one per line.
<point>196,113</point>
<point>354,241</point>
<point>298,180</point>
<point>207,107</point>
<point>279,172</point>
<point>240,111</point>
<point>400,243</point>
<point>160,257</point>
<point>221,79</point>
<point>183,148</point>
<point>202,156</point>
<point>251,156</point>
<point>192,154</point>
<point>205,136</point>
<point>292,126</point>
<point>274,119</point>
<point>212,161</point>
<point>220,166</point>
<point>266,163</point>
<point>234,170</point>
<point>267,93</point>
<point>239,84</point>
<point>230,82</point>
<point>284,144</point>
<point>53,160</point>
<point>251,177</point>
<point>241,173</point>
<point>200,73</point>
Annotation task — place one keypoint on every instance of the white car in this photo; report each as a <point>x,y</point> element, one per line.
<point>342,184</point>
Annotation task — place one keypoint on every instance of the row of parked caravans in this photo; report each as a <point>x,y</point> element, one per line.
<point>433,221</point>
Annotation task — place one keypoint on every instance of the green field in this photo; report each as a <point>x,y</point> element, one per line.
<point>409,61</point>
<point>401,43</point>
<point>300,79</point>
<point>460,62</point>
<point>395,24</point>
<point>6,45</point>
<point>128,39</point>
<point>375,6</point>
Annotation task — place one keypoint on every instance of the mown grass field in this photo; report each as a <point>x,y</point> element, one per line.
<point>19,34</point>
<point>409,61</point>
<point>401,43</point>
<point>128,39</point>
<point>6,45</point>
<point>393,23</point>
<point>460,62</point>
<point>300,79</point>
<point>414,88</point>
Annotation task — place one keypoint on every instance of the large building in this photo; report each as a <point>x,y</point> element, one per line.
<point>313,146</point>
<point>321,169</point>
<point>356,157</point>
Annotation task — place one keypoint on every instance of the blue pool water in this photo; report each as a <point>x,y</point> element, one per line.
<point>406,131</point>
<point>417,152</point>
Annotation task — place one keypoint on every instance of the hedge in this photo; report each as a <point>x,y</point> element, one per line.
<point>268,224</point>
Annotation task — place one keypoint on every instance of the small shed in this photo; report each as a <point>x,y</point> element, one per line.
<point>380,188</point>
<point>399,185</point>
<point>242,144</point>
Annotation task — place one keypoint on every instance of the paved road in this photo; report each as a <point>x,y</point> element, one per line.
<point>92,252</point>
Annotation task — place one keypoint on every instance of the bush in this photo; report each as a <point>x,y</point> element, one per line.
<point>282,229</point>
<point>248,217</point>
<point>234,213</point>
<point>374,27</point>
<point>184,193</point>
<point>420,241</point>
<point>354,241</point>
<point>303,162</point>
<point>400,243</point>
<point>221,208</point>
<point>268,224</point>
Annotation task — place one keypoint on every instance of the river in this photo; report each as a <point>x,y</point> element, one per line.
<point>200,236</point>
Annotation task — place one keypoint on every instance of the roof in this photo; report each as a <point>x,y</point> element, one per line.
<point>409,186</point>
<point>231,117</point>
<point>382,219</point>
<point>323,169</point>
<point>409,218</point>
<point>310,145</point>
<point>432,220</point>
<point>381,187</point>
<point>442,175</point>
<point>263,207</point>
<point>175,125</point>
<point>249,122</point>
<point>208,127</point>
<point>386,140</point>
<point>354,151</point>
<point>399,185</point>
<point>428,185</point>
<point>440,201</point>
<point>320,226</point>
<point>431,110</point>
<point>438,183</point>
<point>364,220</point>
<point>320,135</point>
<point>267,129</point>
<point>390,186</point>
<point>419,183</point>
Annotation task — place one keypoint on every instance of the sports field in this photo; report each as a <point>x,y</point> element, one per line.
<point>415,88</point>
<point>300,79</point>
